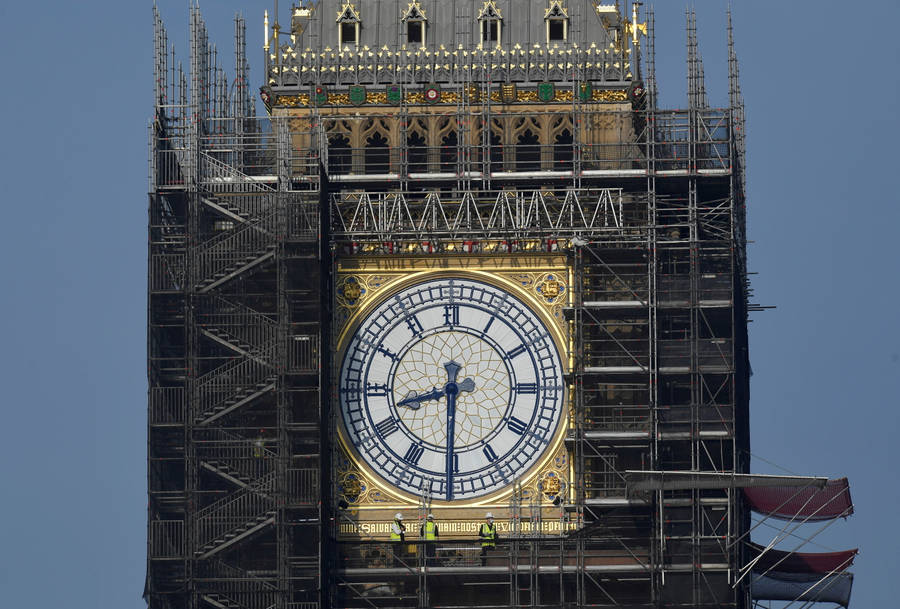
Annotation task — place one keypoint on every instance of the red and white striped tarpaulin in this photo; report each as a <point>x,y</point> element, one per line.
<point>801,562</point>
<point>808,503</point>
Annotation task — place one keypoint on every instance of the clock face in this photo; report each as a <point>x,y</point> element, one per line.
<point>451,387</point>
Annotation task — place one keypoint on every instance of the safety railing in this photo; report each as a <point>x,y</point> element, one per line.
<point>508,162</point>
<point>713,140</point>
<point>167,405</point>
<point>715,286</point>
<point>169,166</point>
<point>303,217</point>
<point>167,272</point>
<point>303,353</point>
<point>615,288</point>
<point>711,353</point>
<point>673,289</point>
<point>543,552</point>
<point>228,585</point>
<point>618,418</point>
<point>672,140</point>
<point>303,486</point>
<point>220,171</point>
<point>166,539</point>
<point>625,352</point>
<point>715,353</point>
<point>602,476</point>
<point>710,419</point>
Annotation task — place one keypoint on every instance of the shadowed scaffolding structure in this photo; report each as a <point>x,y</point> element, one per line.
<point>459,128</point>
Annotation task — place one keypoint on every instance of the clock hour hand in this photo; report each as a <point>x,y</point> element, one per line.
<point>414,400</point>
<point>452,387</point>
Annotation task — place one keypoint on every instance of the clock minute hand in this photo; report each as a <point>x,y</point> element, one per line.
<point>452,389</point>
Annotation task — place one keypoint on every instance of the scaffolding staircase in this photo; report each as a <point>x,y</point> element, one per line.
<point>235,458</point>
<point>232,518</point>
<point>237,326</point>
<point>243,591</point>
<point>224,257</point>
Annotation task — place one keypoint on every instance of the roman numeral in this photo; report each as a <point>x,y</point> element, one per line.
<point>451,315</point>
<point>413,454</point>
<point>386,352</point>
<point>386,427</point>
<point>516,426</point>
<point>455,464</point>
<point>517,351</point>
<point>412,322</point>
<point>489,453</point>
<point>375,390</point>
<point>350,390</point>
<point>487,326</point>
<point>526,388</point>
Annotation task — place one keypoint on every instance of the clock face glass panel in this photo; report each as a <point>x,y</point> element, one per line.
<point>451,387</point>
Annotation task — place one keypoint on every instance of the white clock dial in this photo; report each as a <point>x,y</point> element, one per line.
<point>453,387</point>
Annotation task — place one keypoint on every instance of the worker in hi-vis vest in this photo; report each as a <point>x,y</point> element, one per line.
<point>398,534</point>
<point>429,532</point>
<point>488,535</point>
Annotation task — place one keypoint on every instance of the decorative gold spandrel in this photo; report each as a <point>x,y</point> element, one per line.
<point>549,289</point>
<point>540,278</point>
<point>356,488</point>
<point>554,481</point>
<point>351,290</point>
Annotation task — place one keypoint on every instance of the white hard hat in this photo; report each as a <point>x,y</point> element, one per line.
<point>398,516</point>
<point>431,515</point>
<point>488,515</point>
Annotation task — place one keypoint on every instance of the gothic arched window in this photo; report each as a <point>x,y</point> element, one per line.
<point>378,154</point>
<point>491,23</point>
<point>416,22</point>
<point>338,154</point>
<point>557,20</point>
<point>348,22</point>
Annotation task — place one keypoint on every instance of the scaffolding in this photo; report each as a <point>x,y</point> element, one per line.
<point>248,217</point>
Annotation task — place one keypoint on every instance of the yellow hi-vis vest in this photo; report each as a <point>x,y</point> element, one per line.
<point>396,531</point>
<point>430,527</point>
<point>487,535</point>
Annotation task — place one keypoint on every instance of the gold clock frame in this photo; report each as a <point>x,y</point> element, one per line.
<point>378,278</point>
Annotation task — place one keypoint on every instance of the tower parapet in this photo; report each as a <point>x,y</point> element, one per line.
<point>403,49</point>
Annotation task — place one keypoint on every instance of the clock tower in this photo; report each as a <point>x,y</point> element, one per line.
<point>464,265</point>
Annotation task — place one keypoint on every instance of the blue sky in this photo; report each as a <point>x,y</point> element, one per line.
<point>821,88</point>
